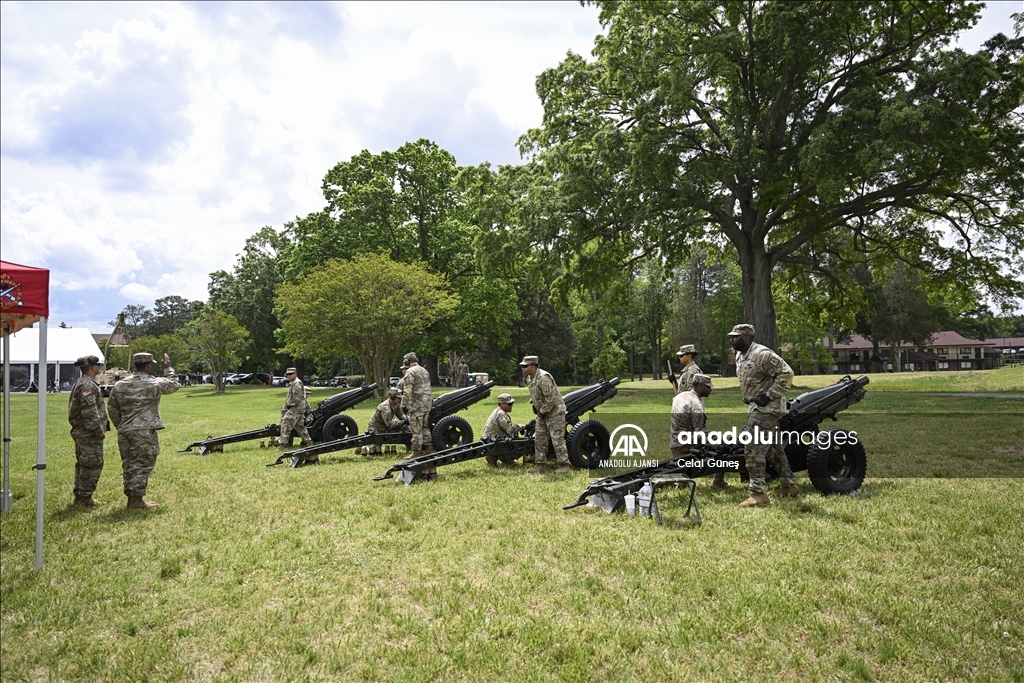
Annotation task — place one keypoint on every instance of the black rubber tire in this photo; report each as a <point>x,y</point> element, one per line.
<point>837,469</point>
<point>796,454</point>
<point>339,426</point>
<point>451,430</point>
<point>588,444</point>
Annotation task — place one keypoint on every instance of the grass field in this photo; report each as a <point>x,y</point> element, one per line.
<point>254,573</point>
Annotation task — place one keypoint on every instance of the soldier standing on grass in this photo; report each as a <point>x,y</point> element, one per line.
<point>500,426</point>
<point>764,381</point>
<point>134,408</point>
<point>687,353</point>
<point>416,402</point>
<point>89,424</point>
<point>550,408</point>
<point>293,415</point>
<point>688,416</point>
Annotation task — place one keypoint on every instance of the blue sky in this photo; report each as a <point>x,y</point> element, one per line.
<point>141,143</point>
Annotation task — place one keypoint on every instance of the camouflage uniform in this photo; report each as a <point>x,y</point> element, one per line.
<point>500,425</point>
<point>687,416</point>
<point>550,408</point>
<point>416,402</point>
<point>134,408</point>
<point>762,371</point>
<point>293,414</point>
<point>685,380</point>
<point>88,418</point>
<point>386,418</point>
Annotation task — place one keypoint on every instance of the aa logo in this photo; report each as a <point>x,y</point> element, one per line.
<point>631,442</point>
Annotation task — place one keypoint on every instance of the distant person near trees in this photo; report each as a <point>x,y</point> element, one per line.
<point>134,408</point>
<point>89,425</point>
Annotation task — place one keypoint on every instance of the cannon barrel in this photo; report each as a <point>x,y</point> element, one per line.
<point>586,399</point>
<point>460,399</point>
<point>343,401</point>
<point>814,407</point>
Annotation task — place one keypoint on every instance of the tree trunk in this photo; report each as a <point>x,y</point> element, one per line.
<point>430,363</point>
<point>758,304</point>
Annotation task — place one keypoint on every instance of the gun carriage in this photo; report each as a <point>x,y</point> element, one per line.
<point>835,460</point>
<point>586,440</point>
<point>326,423</point>
<point>446,428</point>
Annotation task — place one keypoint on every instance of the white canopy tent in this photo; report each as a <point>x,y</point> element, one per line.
<point>63,347</point>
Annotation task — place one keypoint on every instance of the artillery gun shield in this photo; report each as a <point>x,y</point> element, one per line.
<point>839,466</point>
<point>451,431</point>
<point>339,426</point>
<point>588,444</point>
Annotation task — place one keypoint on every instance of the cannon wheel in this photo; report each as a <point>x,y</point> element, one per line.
<point>796,454</point>
<point>588,444</point>
<point>339,426</point>
<point>450,431</point>
<point>837,469</point>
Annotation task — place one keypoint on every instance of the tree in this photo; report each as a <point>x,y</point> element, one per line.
<point>780,125</point>
<point>217,339</point>
<point>176,346</point>
<point>136,317</point>
<point>903,314</point>
<point>171,313</point>
<point>248,292</point>
<point>370,307</point>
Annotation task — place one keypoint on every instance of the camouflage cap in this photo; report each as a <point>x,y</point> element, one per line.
<point>140,358</point>
<point>410,358</point>
<point>687,349</point>
<point>307,391</point>
<point>529,360</point>
<point>702,379</point>
<point>506,398</point>
<point>86,361</point>
<point>393,392</point>
<point>742,329</point>
<point>290,371</point>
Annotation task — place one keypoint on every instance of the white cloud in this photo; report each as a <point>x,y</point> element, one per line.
<point>137,293</point>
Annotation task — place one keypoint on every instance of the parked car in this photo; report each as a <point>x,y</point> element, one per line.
<point>280,382</point>
<point>393,381</point>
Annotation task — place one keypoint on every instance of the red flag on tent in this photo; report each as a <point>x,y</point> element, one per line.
<point>24,295</point>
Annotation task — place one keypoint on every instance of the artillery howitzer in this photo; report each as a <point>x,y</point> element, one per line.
<point>325,424</point>
<point>446,428</point>
<point>587,441</point>
<point>835,462</point>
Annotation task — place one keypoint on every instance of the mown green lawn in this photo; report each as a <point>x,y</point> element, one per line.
<point>254,573</point>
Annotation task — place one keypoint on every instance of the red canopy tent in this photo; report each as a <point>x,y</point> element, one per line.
<point>24,301</point>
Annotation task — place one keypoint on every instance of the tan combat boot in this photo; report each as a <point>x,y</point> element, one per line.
<point>756,500</point>
<point>719,481</point>
<point>137,503</point>
<point>788,491</point>
<point>306,442</point>
<point>539,468</point>
<point>492,460</point>
<point>86,502</point>
<point>563,469</point>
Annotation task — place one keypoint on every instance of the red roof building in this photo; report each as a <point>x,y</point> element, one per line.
<point>947,350</point>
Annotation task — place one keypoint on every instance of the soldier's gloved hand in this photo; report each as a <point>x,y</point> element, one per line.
<point>762,400</point>
<point>672,378</point>
<point>405,419</point>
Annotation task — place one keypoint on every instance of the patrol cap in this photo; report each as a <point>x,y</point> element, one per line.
<point>290,371</point>
<point>741,329</point>
<point>687,349</point>
<point>702,379</point>
<point>506,398</point>
<point>393,392</point>
<point>307,391</point>
<point>410,358</point>
<point>529,360</point>
<point>86,361</point>
<point>140,358</point>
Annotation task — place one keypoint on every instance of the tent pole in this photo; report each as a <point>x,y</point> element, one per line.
<point>40,466</point>
<point>6,501</point>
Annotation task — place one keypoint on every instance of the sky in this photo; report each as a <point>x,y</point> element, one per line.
<point>141,143</point>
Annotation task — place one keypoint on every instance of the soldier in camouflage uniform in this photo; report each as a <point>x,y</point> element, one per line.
<point>293,415</point>
<point>387,417</point>
<point>764,381</point>
<point>88,418</point>
<point>134,408</point>
<point>550,408</point>
<point>416,402</point>
<point>687,355</point>
<point>688,416</point>
<point>500,426</point>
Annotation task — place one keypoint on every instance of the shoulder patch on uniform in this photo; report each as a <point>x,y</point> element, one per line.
<point>86,392</point>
